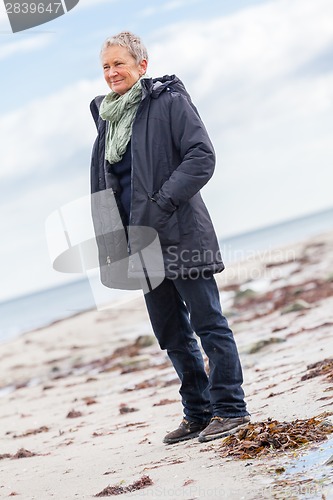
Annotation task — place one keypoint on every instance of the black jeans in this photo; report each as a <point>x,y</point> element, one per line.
<point>179,307</point>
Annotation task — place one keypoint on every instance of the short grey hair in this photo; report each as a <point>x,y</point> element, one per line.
<point>131,42</point>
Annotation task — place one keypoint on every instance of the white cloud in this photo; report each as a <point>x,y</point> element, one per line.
<point>23,45</point>
<point>46,134</point>
<point>4,21</point>
<point>90,3</point>
<point>18,43</point>
<point>44,163</point>
<point>267,114</point>
<point>25,260</point>
<point>259,43</point>
<point>169,6</point>
<point>5,25</point>
<point>270,120</point>
<point>244,72</point>
<point>177,4</point>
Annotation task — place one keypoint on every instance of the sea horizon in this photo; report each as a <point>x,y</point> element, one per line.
<point>48,305</point>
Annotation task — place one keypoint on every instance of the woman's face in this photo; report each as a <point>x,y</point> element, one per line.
<point>121,71</point>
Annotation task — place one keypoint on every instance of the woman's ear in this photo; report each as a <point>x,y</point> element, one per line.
<point>143,66</point>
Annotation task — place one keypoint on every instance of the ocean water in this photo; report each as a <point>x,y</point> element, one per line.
<point>35,310</point>
<point>28,312</point>
<point>277,235</point>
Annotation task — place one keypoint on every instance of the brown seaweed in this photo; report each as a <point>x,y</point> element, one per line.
<point>143,482</point>
<point>271,436</point>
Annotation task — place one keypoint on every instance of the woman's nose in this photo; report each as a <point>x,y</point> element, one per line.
<point>112,72</point>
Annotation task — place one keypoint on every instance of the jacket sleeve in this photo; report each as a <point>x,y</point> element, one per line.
<point>197,154</point>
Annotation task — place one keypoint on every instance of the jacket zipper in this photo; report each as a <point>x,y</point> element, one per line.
<point>132,169</point>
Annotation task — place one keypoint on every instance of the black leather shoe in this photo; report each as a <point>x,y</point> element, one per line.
<point>186,430</point>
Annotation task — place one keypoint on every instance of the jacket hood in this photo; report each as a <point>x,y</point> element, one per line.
<point>151,86</point>
<point>156,86</point>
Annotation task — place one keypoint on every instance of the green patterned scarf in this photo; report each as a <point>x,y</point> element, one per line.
<point>119,111</point>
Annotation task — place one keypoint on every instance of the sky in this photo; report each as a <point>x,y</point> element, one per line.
<point>260,73</point>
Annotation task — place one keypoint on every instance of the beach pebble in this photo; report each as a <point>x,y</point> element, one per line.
<point>260,344</point>
<point>299,305</point>
<point>329,461</point>
<point>145,340</point>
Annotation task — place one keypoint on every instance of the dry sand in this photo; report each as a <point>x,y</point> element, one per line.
<point>93,396</point>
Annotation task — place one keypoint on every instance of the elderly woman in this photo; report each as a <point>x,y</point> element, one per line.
<point>154,154</point>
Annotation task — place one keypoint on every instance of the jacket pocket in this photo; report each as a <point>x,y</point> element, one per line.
<point>164,222</point>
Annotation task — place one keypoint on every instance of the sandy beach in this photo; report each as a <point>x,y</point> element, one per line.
<point>86,402</point>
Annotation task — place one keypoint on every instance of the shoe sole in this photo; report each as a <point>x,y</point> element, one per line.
<point>211,437</point>
<point>184,438</point>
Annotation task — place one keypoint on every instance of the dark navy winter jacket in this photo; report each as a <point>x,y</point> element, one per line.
<point>172,159</point>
